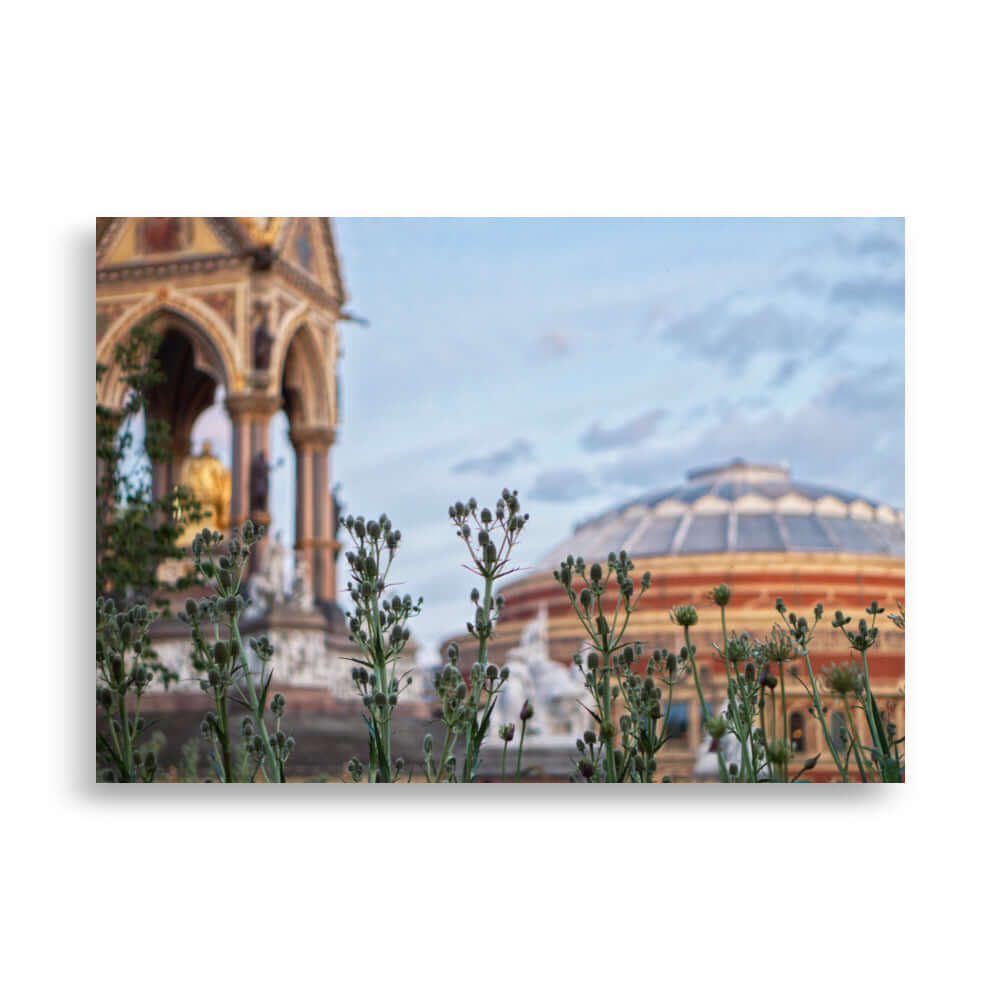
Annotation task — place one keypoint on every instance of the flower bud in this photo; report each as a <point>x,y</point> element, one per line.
<point>685,615</point>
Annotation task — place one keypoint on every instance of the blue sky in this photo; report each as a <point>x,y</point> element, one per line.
<point>583,362</point>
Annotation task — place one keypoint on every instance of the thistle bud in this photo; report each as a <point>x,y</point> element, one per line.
<point>685,615</point>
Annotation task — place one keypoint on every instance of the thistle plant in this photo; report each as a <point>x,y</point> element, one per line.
<point>884,758</point>
<point>844,681</point>
<point>775,650</point>
<point>490,536</point>
<point>686,615</point>
<point>799,632</point>
<point>220,654</point>
<point>592,607</point>
<point>137,531</point>
<point>123,673</point>
<point>744,690</point>
<point>644,725</point>
<point>378,626</point>
<point>458,701</point>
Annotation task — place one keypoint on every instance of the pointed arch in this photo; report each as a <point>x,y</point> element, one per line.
<point>212,353</point>
<point>304,379</point>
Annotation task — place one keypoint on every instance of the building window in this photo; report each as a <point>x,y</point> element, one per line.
<point>797,725</point>
<point>678,720</point>
<point>838,731</point>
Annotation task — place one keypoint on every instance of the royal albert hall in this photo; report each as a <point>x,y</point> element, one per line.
<point>767,536</point>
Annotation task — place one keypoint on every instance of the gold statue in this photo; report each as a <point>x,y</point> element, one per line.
<point>211,483</point>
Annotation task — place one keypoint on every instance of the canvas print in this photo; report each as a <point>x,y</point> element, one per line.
<point>500,500</point>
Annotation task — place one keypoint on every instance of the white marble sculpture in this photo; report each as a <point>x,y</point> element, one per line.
<point>555,690</point>
<point>706,761</point>
<point>302,590</point>
<point>269,585</point>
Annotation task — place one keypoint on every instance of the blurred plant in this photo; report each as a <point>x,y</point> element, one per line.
<point>606,638</point>
<point>190,759</point>
<point>527,712</point>
<point>776,649</point>
<point>884,761</point>
<point>744,693</point>
<point>798,634</point>
<point>136,531</point>
<point>222,658</point>
<point>122,672</point>
<point>378,626</point>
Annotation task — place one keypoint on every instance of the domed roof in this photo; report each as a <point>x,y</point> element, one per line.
<point>740,507</point>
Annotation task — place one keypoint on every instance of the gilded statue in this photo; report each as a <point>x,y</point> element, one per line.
<point>211,483</point>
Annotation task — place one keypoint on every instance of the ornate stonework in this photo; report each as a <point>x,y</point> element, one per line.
<point>200,282</point>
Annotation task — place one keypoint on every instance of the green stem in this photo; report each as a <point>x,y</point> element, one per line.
<point>818,705</point>
<point>258,711</point>
<point>126,738</point>
<point>870,708</point>
<point>449,740</point>
<point>472,728</point>
<point>227,766</point>
<point>520,747</point>
<point>609,743</point>
<point>697,682</point>
<point>763,729</point>
<point>849,716</point>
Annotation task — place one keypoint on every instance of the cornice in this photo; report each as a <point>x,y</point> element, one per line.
<point>203,264</point>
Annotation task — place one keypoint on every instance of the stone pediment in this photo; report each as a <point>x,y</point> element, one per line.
<point>130,241</point>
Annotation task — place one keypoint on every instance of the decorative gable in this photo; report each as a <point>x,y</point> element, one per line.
<point>306,244</point>
<point>134,240</point>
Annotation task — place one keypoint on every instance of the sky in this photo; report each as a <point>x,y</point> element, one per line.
<point>584,362</point>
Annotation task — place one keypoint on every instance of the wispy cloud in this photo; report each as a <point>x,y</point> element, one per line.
<point>875,293</point>
<point>785,373</point>
<point>880,245</point>
<point>849,434</point>
<point>562,484</point>
<point>734,338</point>
<point>631,432</point>
<point>496,461</point>
<point>803,281</point>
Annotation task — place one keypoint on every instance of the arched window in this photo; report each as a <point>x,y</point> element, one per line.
<point>838,731</point>
<point>797,733</point>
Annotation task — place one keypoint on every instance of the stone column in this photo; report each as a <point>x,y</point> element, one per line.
<point>313,507</point>
<point>250,416</point>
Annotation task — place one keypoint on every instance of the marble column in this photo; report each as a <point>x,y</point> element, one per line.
<point>313,507</point>
<point>250,415</point>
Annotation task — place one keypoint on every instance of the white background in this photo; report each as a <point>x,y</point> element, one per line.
<point>554,109</point>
